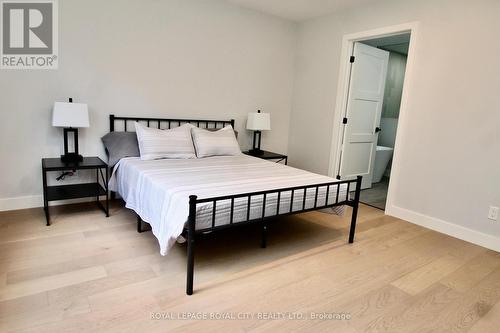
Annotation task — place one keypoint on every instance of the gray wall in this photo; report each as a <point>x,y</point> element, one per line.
<point>450,151</point>
<point>392,99</point>
<point>394,85</point>
<point>205,58</point>
<point>171,58</point>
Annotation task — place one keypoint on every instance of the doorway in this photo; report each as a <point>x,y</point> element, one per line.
<point>368,117</point>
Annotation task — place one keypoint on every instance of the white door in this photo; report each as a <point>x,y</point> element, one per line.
<point>364,107</point>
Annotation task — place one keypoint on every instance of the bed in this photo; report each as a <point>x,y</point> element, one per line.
<point>190,197</point>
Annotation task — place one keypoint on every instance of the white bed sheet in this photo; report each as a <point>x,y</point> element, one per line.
<point>158,191</point>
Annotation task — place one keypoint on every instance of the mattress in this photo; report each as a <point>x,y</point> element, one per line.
<point>158,191</point>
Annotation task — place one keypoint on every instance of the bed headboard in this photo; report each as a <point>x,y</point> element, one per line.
<point>164,123</point>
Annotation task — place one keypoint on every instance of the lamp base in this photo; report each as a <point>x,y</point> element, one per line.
<point>71,158</point>
<point>256,152</point>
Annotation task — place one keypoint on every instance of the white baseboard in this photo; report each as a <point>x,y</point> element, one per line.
<point>31,201</point>
<point>34,201</point>
<point>450,229</point>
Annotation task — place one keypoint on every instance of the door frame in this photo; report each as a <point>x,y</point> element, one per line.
<point>343,90</point>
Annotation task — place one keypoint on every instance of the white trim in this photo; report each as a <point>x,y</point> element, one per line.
<point>448,228</point>
<point>343,86</point>
<point>34,201</point>
<point>31,201</point>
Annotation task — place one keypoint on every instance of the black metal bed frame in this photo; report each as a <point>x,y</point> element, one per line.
<point>168,122</point>
<point>190,229</point>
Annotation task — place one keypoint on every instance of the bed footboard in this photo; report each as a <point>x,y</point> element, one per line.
<point>337,201</point>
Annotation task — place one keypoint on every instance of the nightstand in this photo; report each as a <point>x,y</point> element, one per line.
<point>74,191</point>
<point>267,155</point>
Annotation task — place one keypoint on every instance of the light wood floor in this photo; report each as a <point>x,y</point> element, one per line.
<point>87,273</point>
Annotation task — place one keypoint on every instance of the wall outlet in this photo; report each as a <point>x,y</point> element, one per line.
<point>493,213</point>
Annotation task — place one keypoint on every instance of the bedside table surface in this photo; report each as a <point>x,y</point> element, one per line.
<point>87,163</point>
<point>266,155</point>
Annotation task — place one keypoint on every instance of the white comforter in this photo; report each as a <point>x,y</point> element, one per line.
<point>158,191</point>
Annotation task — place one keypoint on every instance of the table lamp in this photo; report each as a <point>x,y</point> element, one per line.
<point>70,116</point>
<point>258,122</point>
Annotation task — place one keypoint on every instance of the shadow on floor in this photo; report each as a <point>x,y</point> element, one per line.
<point>377,195</point>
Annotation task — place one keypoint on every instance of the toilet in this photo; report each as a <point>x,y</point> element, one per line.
<point>382,157</point>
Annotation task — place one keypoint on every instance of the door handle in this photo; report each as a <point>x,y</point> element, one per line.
<point>377,129</point>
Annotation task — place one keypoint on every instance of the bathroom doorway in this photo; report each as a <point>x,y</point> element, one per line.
<point>370,112</point>
<point>397,46</point>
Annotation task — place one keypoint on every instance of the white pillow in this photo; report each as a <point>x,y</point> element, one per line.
<point>173,143</point>
<point>219,143</point>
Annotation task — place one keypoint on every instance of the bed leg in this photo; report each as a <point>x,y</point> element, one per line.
<point>190,244</point>
<point>263,243</point>
<point>355,206</point>
<point>113,195</point>
<point>139,224</point>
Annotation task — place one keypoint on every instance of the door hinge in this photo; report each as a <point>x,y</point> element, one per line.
<point>351,59</point>
<point>338,177</point>
<point>344,121</point>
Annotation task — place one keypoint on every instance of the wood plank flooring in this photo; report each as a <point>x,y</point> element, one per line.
<point>88,273</point>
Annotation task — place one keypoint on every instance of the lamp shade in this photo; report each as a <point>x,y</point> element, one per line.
<point>259,121</point>
<point>70,115</point>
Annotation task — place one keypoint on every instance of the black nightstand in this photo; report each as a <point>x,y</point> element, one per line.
<point>267,155</point>
<point>74,191</point>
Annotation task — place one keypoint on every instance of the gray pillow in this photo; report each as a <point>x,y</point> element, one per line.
<point>119,145</point>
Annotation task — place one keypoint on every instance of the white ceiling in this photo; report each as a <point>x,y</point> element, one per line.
<point>299,10</point>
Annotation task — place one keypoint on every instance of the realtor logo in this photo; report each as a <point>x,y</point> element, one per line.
<point>28,34</point>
